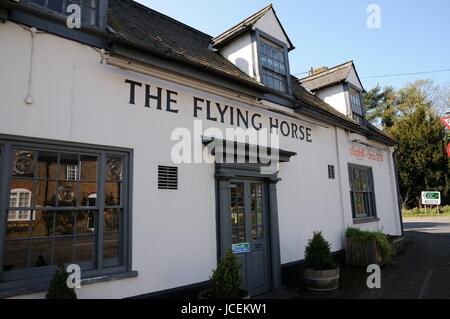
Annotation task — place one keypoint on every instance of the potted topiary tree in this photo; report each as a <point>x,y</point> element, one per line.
<point>321,273</point>
<point>225,280</point>
<point>58,286</point>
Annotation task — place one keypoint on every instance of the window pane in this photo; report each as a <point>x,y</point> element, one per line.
<point>41,252</point>
<point>63,250</point>
<point>15,255</point>
<point>64,223</point>
<point>88,193</point>
<point>113,168</point>
<point>42,224</point>
<point>46,193</point>
<point>15,228</point>
<point>111,235</point>
<point>21,193</point>
<point>84,249</point>
<point>47,165</point>
<point>67,194</point>
<point>55,5</point>
<point>112,194</point>
<point>23,163</point>
<point>88,168</point>
<point>85,222</point>
<point>68,167</point>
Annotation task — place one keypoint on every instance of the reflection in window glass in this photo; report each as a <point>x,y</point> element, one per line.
<point>23,163</point>
<point>362,194</point>
<point>88,165</point>
<point>112,221</point>
<point>47,165</point>
<point>112,194</point>
<point>114,168</point>
<point>237,213</point>
<point>52,215</point>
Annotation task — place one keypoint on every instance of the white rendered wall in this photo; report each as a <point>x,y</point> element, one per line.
<point>335,96</point>
<point>241,53</point>
<point>76,98</point>
<point>269,24</point>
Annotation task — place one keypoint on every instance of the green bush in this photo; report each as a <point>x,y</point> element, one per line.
<point>386,249</point>
<point>227,277</point>
<point>318,253</point>
<point>58,286</point>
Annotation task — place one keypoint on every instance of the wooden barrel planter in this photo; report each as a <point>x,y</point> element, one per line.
<point>363,253</point>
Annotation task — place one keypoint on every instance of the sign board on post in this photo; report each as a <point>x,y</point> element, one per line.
<point>431,198</point>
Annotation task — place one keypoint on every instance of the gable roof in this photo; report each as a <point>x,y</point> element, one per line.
<point>246,25</point>
<point>169,38</point>
<point>330,77</point>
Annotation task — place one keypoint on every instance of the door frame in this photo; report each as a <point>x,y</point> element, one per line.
<point>225,174</point>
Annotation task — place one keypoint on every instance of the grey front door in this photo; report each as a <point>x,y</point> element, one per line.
<point>249,235</point>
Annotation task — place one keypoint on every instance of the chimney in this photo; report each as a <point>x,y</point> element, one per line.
<point>320,69</point>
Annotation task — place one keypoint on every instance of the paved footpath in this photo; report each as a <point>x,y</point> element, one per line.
<point>423,270</point>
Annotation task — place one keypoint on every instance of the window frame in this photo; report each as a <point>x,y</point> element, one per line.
<point>260,37</point>
<point>355,93</point>
<point>372,209</point>
<point>100,269</point>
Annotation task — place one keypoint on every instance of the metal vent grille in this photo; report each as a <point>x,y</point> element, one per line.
<point>331,174</point>
<point>167,177</point>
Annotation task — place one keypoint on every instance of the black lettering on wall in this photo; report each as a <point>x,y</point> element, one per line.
<point>294,130</point>
<point>222,112</point>
<point>196,106</point>
<point>208,112</point>
<point>301,130</point>
<point>170,101</point>
<point>273,125</point>
<point>256,126</point>
<point>231,115</point>
<point>308,135</point>
<point>133,85</point>
<point>285,130</point>
<point>240,117</point>
<point>149,97</point>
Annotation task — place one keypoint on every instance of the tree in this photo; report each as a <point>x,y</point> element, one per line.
<point>380,106</point>
<point>411,116</point>
<point>58,286</point>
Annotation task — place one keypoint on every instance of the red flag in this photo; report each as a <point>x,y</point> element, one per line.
<point>448,150</point>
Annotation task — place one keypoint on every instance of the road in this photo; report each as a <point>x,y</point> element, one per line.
<point>423,270</point>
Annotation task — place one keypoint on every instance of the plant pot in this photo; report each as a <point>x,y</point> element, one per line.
<point>398,243</point>
<point>206,294</point>
<point>363,253</point>
<point>322,281</point>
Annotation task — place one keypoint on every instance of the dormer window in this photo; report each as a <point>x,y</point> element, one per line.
<point>89,8</point>
<point>273,65</point>
<point>357,107</point>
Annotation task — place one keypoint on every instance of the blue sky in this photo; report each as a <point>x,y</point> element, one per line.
<point>414,35</point>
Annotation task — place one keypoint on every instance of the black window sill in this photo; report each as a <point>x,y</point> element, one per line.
<point>14,289</point>
<point>365,220</point>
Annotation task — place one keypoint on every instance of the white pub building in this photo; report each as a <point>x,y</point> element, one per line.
<point>110,152</point>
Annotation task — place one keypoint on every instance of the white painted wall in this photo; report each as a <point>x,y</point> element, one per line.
<point>241,53</point>
<point>269,24</point>
<point>76,98</point>
<point>335,96</point>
